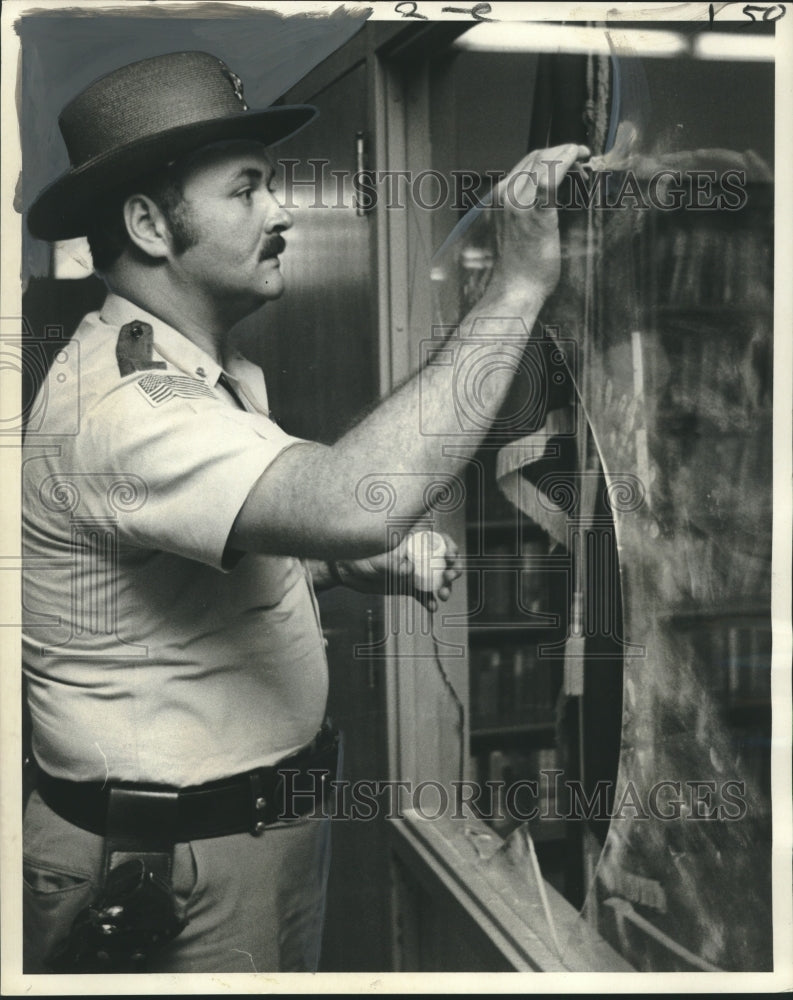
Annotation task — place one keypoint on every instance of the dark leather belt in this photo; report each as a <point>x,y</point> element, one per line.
<point>244,803</point>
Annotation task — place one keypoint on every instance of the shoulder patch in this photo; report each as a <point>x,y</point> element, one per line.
<point>135,348</point>
<point>159,388</point>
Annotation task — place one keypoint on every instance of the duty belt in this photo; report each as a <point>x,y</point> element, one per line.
<point>245,803</point>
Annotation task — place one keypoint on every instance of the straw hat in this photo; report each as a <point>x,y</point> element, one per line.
<point>137,118</point>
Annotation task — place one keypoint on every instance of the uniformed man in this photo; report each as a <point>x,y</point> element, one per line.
<point>175,536</point>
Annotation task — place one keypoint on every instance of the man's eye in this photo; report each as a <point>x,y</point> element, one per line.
<point>246,194</point>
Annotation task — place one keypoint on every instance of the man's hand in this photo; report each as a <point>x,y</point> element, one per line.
<point>424,565</point>
<point>528,251</point>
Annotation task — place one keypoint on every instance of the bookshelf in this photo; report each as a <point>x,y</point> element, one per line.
<point>518,609</point>
<point>709,295</point>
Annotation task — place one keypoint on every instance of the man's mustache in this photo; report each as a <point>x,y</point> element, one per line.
<point>274,246</point>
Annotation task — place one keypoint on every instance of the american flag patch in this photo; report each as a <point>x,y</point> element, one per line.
<point>159,388</point>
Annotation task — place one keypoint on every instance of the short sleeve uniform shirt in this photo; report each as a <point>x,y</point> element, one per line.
<point>151,652</point>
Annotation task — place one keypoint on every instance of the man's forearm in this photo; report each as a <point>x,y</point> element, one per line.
<point>424,428</point>
<point>314,498</point>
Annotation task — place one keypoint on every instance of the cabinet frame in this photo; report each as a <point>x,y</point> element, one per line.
<point>503,923</point>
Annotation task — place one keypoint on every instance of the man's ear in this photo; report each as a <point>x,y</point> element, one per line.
<point>146,226</point>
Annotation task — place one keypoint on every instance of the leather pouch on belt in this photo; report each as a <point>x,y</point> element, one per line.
<point>135,915</point>
<point>136,912</point>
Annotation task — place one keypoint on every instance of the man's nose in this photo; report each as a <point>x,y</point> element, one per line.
<point>278,218</point>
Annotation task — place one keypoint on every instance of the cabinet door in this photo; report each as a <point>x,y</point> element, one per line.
<point>318,347</point>
<point>497,888</point>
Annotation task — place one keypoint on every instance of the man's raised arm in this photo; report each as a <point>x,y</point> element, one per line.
<point>306,503</point>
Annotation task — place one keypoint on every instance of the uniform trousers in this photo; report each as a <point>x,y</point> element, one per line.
<point>254,903</point>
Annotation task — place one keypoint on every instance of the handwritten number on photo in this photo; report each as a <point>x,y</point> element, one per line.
<point>479,12</point>
<point>751,8</point>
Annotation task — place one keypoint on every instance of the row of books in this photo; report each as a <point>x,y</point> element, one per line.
<point>512,687</point>
<point>703,264</point>
<point>509,586</point>
<point>739,657</point>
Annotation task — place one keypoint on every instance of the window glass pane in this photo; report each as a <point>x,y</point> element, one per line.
<point>619,581</point>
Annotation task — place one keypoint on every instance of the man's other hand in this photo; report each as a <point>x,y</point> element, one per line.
<point>424,565</point>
